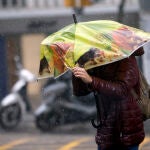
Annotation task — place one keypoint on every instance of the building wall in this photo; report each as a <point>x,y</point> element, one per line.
<point>145,25</point>
<point>3,66</point>
<point>30,45</point>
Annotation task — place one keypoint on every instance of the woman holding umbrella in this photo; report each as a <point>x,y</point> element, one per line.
<point>120,123</point>
<point>82,47</point>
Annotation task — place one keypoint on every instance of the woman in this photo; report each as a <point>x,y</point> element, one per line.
<point>121,121</point>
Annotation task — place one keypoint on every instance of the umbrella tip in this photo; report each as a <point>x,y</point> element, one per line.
<point>74,18</point>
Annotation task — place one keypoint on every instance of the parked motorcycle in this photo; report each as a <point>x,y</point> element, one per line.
<point>60,107</point>
<point>13,106</point>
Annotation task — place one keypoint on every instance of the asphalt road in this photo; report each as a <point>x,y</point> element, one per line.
<point>70,137</point>
<point>49,141</point>
<point>27,137</point>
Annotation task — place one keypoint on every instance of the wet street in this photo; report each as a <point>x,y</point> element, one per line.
<point>70,137</point>
<point>27,141</point>
<point>27,137</point>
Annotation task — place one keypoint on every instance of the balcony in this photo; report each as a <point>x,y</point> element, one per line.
<point>40,8</point>
<point>42,16</point>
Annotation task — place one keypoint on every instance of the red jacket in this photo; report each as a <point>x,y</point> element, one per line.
<point>120,114</point>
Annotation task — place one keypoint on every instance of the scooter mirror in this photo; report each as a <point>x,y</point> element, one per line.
<point>27,76</point>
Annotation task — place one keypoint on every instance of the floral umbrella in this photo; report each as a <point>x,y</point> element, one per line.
<point>88,44</point>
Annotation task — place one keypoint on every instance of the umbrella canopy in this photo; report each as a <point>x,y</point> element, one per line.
<point>88,44</point>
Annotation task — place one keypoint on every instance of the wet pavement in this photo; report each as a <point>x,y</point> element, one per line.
<point>27,137</point>
<point>68,137</point>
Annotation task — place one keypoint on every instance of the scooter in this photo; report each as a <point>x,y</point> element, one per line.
<point>13,106</point>
<point>60,107</point>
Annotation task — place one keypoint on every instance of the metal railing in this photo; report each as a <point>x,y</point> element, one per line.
<point>30,3</point>
<point>36,4</point>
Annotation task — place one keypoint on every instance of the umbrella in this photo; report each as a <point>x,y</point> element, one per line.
<point>88,44</point>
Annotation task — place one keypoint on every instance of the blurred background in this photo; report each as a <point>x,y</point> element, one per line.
<point>25,23</point>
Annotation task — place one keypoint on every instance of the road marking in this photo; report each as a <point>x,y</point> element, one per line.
<point>73,144</point>
<point>146,140</point>
<point>76,143</point>
<point>14,143</point>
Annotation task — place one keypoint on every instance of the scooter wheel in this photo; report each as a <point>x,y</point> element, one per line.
<point>45,122</point>
<point>10,116</point>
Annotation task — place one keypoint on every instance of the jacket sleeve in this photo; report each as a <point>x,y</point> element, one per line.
<point>79,87</point>
<point>125,79</point>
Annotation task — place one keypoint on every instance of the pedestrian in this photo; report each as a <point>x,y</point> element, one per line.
<point>120,120</point>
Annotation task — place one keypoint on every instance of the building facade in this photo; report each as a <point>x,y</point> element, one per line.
<point>25,23</point>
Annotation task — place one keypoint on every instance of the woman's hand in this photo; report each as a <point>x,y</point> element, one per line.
<point>82,74</point>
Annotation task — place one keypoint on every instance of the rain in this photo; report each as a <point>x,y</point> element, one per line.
<point>45,113</point>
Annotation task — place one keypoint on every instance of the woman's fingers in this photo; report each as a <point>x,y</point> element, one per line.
<point>77,71</point>
<point>81,73</point>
